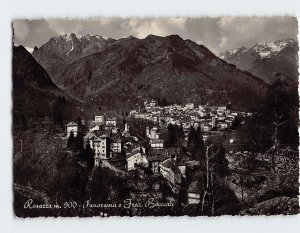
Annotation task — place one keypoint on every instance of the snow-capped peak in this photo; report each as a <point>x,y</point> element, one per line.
<point>232,52</point>
<point>266,49</point>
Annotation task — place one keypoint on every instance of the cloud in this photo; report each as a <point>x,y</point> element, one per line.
<point>157,26</point>
<point>218,34</point>
<point>32,33</point>
<point>21,29</point>
<point>224,43</point>
<point>61,26</point>
<point>247,31</point>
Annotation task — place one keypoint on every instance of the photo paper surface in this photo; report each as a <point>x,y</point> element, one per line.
<point>174,116</point>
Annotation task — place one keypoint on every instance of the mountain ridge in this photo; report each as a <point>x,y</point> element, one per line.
<point>130,70</point>
<point>34,93</point>
<point>267,60</point>
<point>64,49</point>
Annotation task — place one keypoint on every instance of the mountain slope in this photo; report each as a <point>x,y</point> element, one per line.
<point>62,50</point>
<point>267,59</point>
<point>168,69</point>
<point>34,93</point>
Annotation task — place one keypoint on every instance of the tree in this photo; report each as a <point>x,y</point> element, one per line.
<point>79,141</point>
<point>173,131</point>
<point>59,110</point>
<point>198,149</point>
<point>181,132</point>
<point>219,162</point>
<point>79,123</point>
<point>71,140</point>
<point>89,152</point>
<point>195,144</point>
<point>190,141</point>
<point>216,168</point>
<point>274,121</point>
<point>279,107</point>
<point>236,123</point>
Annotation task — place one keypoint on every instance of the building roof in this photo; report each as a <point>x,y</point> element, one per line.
<point>134,152</point>
<point>157,157</point>
<point>95,123</point>
<point>117,140</point>
<point>89,135</point>
<point>111,119</point>
<point>101,137</point>
<point>72,124</point>
<point>156,140</point>
<point>132,146</point>
<point>170,163</point>
<point>153,151</point>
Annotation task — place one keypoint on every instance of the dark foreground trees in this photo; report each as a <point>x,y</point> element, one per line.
<point>175,135</point>
<point>275,120</point>
<point>195,144</point>
<point>274,124</point>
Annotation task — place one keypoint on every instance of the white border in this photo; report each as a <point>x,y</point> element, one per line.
<point>125,8</point>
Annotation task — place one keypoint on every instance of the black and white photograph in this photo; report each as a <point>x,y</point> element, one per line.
<point>155,116</point>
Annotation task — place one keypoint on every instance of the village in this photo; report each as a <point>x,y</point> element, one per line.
<point>117,148</point>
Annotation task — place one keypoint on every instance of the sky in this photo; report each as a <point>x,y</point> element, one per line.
<point>217,34</point>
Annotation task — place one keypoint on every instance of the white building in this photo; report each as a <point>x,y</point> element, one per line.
<point>111,122</point>
<point>72,127</point>
<point>201,107</point>
<point>152,133</point>
<point>136,157</point>
<point>153,103</point>
<point>213,122</point>
<point>101,146</point>
<point>99,118</point>
<point>126,127</point>
<point>170,171</point>
<point>223,125</point>
<point>222,108</point>
<point>94,128</point>
<point>116,146</point>
<point>157,143</point>
<point>190,105</point>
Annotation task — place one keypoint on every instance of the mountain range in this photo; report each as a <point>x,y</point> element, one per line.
<point>267,60</point>
<point>125,72</point>
<point>64,49</point>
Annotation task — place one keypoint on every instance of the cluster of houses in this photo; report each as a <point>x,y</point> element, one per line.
<point>207,117</point>
<point>111,143</point>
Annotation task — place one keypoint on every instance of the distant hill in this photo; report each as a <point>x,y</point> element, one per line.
<point>34,93</point>
<point>127,71</point>
<point>267,60</point>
